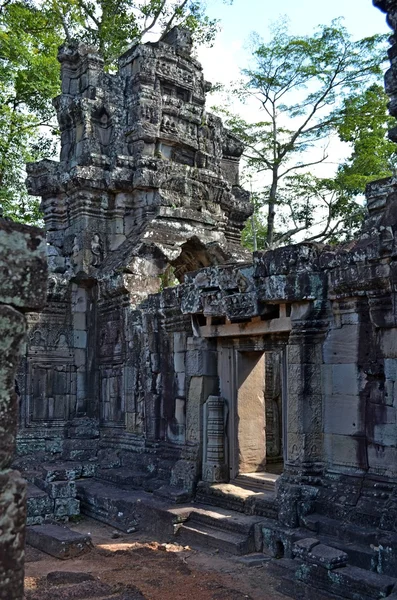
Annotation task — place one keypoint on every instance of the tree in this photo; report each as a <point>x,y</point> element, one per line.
<point>301,84</point>
<point>364,123</point>
<point>30,33</point>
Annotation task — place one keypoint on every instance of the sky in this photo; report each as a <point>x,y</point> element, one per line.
<point>222,62</point>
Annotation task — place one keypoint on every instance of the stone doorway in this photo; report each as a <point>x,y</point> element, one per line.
<point>253,383</point>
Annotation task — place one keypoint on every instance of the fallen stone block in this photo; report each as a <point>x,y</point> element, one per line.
<point>58,541</point>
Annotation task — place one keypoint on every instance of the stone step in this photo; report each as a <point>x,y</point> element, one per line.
<point>284,570</point>
<point>129,510</point>
<point>122,477</point>
<point>347,582</point>
<point>257,482</point>
<point>367,548</point>
<point>203,536</point>
<point>236,498</point>
<point>359,555</point>
<point>326,526</point>
<point>225,520</point>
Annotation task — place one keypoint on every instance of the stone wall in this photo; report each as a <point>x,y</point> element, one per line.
<point>23,273</point>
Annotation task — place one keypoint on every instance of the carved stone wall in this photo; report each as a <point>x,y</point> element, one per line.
<point>119,365</point>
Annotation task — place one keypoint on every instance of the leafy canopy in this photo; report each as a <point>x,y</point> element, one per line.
<point>304,86</point>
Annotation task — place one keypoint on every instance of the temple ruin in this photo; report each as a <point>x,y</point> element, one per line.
<point>173,379</point>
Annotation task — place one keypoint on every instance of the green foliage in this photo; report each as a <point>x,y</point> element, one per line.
<point>364,122</point>
<point>304,85</point>
<point>30,33</point>
<point>28,81</point>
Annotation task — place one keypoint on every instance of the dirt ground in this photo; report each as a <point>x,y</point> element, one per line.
<point>154,571</point>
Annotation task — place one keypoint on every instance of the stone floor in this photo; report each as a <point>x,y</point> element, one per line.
<point>135,567</point>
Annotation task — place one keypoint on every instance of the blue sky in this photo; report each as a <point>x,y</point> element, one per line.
<point>230,53</point>
<point>240,19</point>
<point>243,16</point>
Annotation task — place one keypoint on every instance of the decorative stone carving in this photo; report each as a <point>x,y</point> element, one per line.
<point>214,449</point>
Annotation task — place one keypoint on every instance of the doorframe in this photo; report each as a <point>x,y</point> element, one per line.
<point>228,349</point>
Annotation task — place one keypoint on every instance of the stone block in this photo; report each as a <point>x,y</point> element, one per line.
<point>79,338</point>
<point>38,502</point>
<point>344,415</point>
<point>61,472</point>
<point>88,469</point>
<point>299,353</point>
<point>388,342</point>
<point>201,362</point>
<point>382,459</point>
<point>346,451</point>
<point>315,553</point>
<point>12,539</point>
<point>180,341</point>
<point>58,541</point>
<point>66,507</point>
<point>58,489</point>
<point>179,362</point>
<point>108,459</point>
<point>180,384</point>
<point>341,345</point>
<point>345,379</point>
<point>391,369</point>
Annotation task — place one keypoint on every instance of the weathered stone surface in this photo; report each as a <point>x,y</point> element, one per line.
<point>12,540</point>
<point>58,541</point>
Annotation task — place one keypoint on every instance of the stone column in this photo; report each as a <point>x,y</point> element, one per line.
<point>23,275</point>
<point>214,451</point>
<point>304,392</point>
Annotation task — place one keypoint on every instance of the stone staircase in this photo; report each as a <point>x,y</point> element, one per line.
<point>335,559</point>
<point>365,547</point>
<point>51,492</point>
<point>130,510</point>
<point>239,497</point>
<point>220,529</point>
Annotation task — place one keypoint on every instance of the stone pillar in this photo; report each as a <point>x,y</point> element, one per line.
<point>23,274</point>
<point>214,451</point>
<point>304,394</point>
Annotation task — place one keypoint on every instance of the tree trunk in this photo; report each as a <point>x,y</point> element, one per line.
<point>271,211</point>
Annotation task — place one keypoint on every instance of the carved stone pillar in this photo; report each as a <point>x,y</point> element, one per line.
<point>22,287</point>
<point>214,449</point>
<point>304,396</point>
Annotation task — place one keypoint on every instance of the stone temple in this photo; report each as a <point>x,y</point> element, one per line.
<point>171,378</point>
